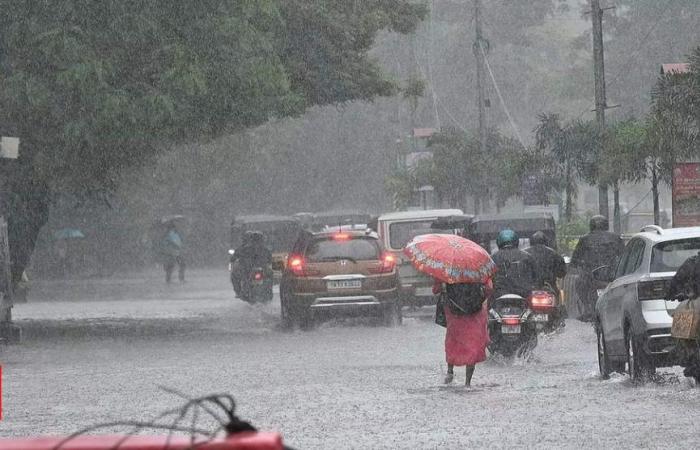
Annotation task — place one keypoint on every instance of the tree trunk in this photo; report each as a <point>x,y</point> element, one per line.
<point>617,222</point>
<point>28,212</point>
<point>655,194</point>
<point>568,209</point>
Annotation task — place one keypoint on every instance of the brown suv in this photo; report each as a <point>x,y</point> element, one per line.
<point>339,271</point>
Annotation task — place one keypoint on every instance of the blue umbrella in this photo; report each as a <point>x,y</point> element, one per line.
<point>69,233</point>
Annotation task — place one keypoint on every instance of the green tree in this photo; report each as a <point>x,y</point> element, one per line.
<point>95,87</point>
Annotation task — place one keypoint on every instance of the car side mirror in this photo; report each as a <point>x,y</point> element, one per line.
<point>603,274</point>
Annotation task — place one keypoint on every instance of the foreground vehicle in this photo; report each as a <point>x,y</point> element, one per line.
<point>395,231</point>
<point>339,272</point>
<point>513,325</point>
<point>633,315</point>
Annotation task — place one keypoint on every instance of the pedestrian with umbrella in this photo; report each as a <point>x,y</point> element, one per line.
<point>171,248</point>
<point>462,271</point>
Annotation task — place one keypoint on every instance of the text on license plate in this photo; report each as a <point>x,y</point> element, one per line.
<point>344,284</point>
<point>510,329</point>
<point>540,317</point>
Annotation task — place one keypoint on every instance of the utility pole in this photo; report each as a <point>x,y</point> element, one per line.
<point>600,101</point>
<point>480,47</point>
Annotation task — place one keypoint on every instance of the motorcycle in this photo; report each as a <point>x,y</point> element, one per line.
<point>257,286</point>
<point>513,325</point>
<point>253,287</point>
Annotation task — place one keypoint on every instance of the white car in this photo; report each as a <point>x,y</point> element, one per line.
<point>395,231</point>
<point>633,315</point>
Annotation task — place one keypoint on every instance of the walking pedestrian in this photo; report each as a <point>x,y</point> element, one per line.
<point>467,326</point>
<point>171,248</point>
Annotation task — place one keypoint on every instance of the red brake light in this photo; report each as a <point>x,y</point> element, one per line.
<point>388,263</point>
<point>541,300</point>
<point>341,236</point>
<point>258,276</point>
<point>511,320</point>
<point>296,265</point>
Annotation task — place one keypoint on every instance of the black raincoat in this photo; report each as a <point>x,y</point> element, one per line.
<point>550,264</point>
<point>517,273</point>
<point>598,249</point>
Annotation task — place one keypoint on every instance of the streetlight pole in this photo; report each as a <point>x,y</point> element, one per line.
<point>600,100</point>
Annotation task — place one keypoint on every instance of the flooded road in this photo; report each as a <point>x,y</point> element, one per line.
<point>98,351</point>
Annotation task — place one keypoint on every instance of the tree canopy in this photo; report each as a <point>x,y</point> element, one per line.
<point>94,87</point>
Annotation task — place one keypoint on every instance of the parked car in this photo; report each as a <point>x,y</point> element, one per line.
<point>633,315</point>
<point>339,272</point>
<point>395,231</point>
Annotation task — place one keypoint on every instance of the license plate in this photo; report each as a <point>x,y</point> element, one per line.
<point>424,292</point>
<point>344,284</point>
<point>540,317</point>
<point>510,329</point>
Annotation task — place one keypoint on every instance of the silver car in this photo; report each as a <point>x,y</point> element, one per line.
<point>633,317</point>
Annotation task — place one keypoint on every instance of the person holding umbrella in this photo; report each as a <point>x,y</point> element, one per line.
<point>462,271</point>
<point>171,248</point>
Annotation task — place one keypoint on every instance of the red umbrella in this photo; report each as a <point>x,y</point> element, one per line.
<point>450,258</point>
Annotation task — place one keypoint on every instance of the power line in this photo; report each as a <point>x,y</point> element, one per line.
<point>500,98</point>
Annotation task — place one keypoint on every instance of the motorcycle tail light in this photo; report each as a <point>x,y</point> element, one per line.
<point>541,301</point>
<point>652,290</point>
<point>511,320</point>
<point>258,276</point>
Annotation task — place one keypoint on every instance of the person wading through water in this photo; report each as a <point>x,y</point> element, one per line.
<point>467,325</point>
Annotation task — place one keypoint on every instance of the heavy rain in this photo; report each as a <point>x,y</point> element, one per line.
<point>349,224</point>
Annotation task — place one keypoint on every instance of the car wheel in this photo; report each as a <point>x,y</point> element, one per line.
<point>639,367</point>
<point>392,315</point>
<point>603,360</point>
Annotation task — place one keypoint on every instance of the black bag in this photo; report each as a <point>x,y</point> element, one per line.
<point>440,317</point>
<point>465,298</point>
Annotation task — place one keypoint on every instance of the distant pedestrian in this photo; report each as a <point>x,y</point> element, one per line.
<point>171,248</point>
<point>467,326</point>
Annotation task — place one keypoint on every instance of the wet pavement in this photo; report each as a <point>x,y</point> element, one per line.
<point>99,350</point>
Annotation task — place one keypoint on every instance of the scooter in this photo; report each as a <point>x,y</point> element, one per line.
<point>257,286</point>
<point>513,326</point>
<point>546,311</point>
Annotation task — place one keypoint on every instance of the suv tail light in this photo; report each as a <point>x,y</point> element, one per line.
<point>652,290</point>
<point>297,265</point>
<point>388,263</point>
<point>541,301</point>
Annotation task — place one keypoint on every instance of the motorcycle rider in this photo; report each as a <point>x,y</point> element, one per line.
<point>550,266</point>
<point>252,253</point>
<point>597,249</point>
<point>517,271</point>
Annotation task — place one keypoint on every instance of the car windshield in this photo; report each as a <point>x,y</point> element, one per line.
<point>357,249</point>
<point>401,233</point>
<point>668,256</point>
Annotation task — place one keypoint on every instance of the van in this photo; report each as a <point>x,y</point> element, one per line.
<point>397,229</point>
